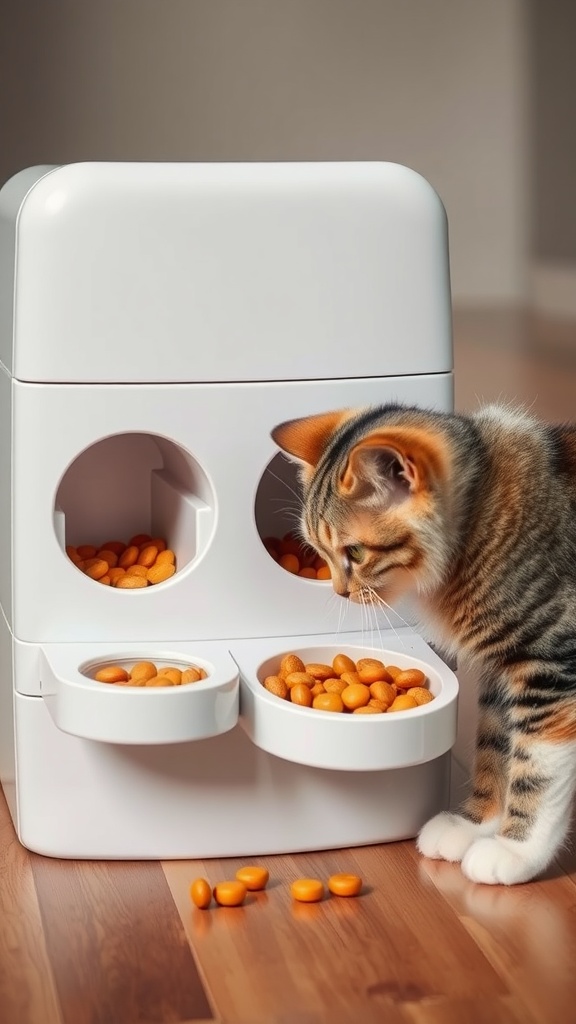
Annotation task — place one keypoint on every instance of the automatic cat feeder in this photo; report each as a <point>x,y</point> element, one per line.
<point>157,321</point>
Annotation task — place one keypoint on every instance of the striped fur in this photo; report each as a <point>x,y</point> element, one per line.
<point>476,517</point>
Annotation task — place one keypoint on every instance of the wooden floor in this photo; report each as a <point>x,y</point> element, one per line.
<point>120,943</point>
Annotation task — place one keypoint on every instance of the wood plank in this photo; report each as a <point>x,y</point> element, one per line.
<point>27,989</point>
<point>527,932</point>
<point>338,959</point>
<point>116,944</point>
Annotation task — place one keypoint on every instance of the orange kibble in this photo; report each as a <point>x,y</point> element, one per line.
<point>385,692</point>
<point>137,570</point>
<point>380,705</point>
<point>159,573</point>
<point>139,539</point>
<point>129,557</point>
<point>335,685</point>
<point>166,556</point>
<point>319,671</point>
<point>295,678</point>
<point>160,544</point>
<point>190,675</point>
<point>230,894</point>
<point>289,546</point>
<point>105,580</point>
<point>291,663</point>
<point>300,694</point>
<point>175,674</point>
<point>148,555</point>
<point>371,670</point>
<point>161,680</point>
<point>409,678</point>
<point>86,551</point>
<point>342,663</point>
<point>307,573</point>
<point>316,689</point>
<point>109,556</point>
<point>75,557</point>
<point>323,573</point>
<point>328,702</point>
<point>420,694</point>
<point>142,671</point>
<point>201,893</point>
<point>276,686</point>
<point>115,575</point>
<point>253,877</point>
<point>366,709</point>
<point>343,884</point>
<point>290,563</point>
<point>201,672</point>
<point>111,674</point>
<point>117,546</point>
<point>319,562</point>
<point>350,678</point>
<point>307,557</point>
<point>96,568</point>
<point>355,696</point>
<point>393,670</point>
<point>403,703</point>
<point>307,890</point>
<point>129,582</point>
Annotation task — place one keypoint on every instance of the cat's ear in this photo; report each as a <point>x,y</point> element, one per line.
<point>389,466</point>
<point>306,439</point>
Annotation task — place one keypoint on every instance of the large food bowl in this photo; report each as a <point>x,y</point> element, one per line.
<point>349,742</point>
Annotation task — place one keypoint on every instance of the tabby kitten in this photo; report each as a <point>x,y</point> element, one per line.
<point>476,516</point>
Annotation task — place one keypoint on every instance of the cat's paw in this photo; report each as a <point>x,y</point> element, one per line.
<point>448,836</point>
<point>495,860</point>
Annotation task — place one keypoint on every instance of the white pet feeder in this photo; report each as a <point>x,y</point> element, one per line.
<point>157,321</point>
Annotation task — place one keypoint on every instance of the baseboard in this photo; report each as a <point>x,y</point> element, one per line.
<point>553,291</point>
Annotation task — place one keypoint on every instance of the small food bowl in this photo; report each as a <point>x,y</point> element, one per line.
<point>131,712</point>
<point>352,741</point>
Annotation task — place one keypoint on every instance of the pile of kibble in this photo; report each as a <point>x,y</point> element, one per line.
<point>142,562</point>
<point>364,687</point>
<point>146,673</point>
<point>296,557</point>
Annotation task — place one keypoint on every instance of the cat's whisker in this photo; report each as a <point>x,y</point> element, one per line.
<point>383,606</point>
<point>287,485</point>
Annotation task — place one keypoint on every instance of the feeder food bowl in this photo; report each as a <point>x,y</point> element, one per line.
<point>123,712</point>
<point>350,741</point>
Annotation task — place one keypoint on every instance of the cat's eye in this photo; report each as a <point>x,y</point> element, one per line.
<point>355,552</point>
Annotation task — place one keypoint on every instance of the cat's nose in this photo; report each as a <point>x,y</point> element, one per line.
<point>341,588</point>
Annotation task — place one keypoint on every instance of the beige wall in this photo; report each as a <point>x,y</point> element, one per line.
<point>552,61</point>
<point>435,84</point>
<point>553,64</point>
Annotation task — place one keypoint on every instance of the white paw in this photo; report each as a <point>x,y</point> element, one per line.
<point>448,836</point>
<point>498,861</point>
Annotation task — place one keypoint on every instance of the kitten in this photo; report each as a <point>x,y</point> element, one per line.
<point>476,516</point>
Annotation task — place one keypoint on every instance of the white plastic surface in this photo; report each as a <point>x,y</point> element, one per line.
<point>141,715</point>
<point>12,195</point>
<point>165,319</point>
<point>209,272</point>
<point>232,588</point>
<point>222,797</point>
<point>344,742</point>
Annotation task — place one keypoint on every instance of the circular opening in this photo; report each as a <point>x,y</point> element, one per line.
<point>153,672</point>
<point>277,511</point>
<point>386,667</point>
<point>133,510</point>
